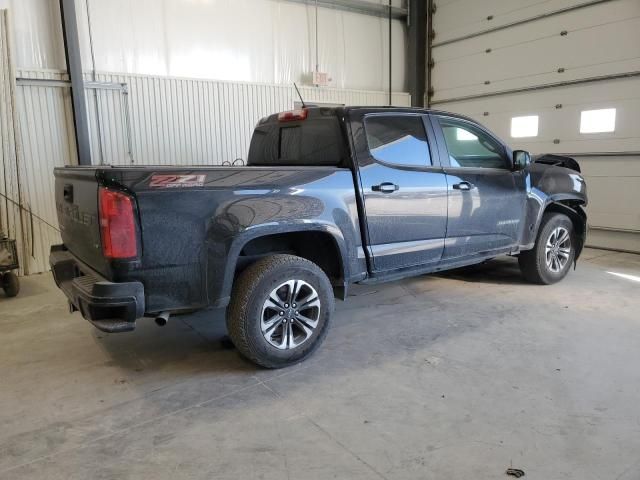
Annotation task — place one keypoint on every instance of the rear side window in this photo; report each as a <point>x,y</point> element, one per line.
<point>314,141</point>
<point>398,139</point>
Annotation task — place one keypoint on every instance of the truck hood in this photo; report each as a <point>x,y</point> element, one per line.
<point>558,178</point>
<point>556,160</point>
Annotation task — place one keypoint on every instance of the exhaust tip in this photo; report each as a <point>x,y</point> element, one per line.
<point>162,319</point>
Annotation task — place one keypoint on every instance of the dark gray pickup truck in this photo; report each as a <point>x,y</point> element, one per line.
<point>329,197</point>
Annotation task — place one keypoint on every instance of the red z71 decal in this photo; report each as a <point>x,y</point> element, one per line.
<point>177,181</point>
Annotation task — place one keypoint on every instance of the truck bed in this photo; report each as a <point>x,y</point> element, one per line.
<point>193,220</point>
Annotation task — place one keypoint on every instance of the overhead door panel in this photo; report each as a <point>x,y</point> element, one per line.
<point>594,41</point>
<point>559,116</point>
<point>458,18</point>
<point>531,60</point>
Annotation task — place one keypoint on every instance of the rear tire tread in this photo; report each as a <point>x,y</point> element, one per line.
<point>243,290</point>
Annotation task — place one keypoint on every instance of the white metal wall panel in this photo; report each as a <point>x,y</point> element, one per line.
<point>47,141</point>
<point>266,41</point>
<point>9,213</point>
<point>259,46</point>
<point>191,121</point>
<point>34,127</point>
<point>151,121</point>
<point>601,40</point>
<point>37,36</point>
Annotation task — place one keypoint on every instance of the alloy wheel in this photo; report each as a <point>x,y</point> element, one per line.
<point>558,249</point>
<point>290,314</point>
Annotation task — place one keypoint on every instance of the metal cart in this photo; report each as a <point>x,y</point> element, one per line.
<point>8,263</point>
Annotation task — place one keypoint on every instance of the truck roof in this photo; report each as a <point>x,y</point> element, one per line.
<point>314,111</point>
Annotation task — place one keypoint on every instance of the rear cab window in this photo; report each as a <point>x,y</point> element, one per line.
<point>317,140</point>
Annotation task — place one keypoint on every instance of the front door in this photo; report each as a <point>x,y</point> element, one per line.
<point>404,190</point>
<point>486,197</point>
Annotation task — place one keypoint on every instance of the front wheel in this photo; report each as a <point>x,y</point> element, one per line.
<point>550,259</point>
<point>280,310</point>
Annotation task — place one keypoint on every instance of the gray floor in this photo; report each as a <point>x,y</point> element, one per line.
<point>456,376</point>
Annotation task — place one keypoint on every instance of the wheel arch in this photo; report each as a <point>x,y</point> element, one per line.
<point>320,244</point>
<point>572,207</point>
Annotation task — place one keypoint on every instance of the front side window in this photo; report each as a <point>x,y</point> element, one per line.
<point>398,140</point>
<point>470,147</point>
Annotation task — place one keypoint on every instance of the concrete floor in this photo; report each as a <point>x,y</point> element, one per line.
<point>455,376</point>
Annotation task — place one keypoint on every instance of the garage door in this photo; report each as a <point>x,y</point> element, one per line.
<point>554,76</point>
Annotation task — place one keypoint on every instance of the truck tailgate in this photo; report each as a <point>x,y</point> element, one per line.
<point>77,207</point>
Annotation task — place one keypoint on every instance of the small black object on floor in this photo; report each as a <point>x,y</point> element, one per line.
<point>515,472</point>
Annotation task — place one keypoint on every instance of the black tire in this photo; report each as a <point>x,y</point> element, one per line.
<point>10,284</point>
<point>246,310</point>
<point>533,263</point>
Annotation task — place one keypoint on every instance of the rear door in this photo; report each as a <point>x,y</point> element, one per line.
<point>403,188</point>
<point>486,197</point>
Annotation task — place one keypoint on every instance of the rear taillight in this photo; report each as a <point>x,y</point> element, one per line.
<point>293,115</point>
<point>117,225</point>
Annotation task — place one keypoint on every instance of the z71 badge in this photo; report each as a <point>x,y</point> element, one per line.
<point>177,181</point>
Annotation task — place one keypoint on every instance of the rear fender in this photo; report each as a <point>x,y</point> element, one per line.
<point>242,239</point>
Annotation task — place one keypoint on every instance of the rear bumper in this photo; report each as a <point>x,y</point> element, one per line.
<point>110,307</point>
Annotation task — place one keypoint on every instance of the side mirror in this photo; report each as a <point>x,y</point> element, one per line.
<point>521,159</point>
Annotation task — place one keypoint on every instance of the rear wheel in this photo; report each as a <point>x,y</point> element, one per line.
<point>550,259</point>
<point>280,310</point>
<point>10,284</point>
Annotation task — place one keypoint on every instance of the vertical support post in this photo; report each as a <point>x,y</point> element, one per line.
<point>417,51</point>
<point>390,59</point>
<point>431,10</point>
<point>74,67</point>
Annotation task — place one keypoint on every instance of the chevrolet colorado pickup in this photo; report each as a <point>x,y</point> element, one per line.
<point>329,197</point>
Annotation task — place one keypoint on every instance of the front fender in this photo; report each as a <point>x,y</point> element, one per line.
<point>569,205</point>
<point>550,186</point>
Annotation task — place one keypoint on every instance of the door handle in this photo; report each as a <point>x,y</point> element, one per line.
<point>386,187</point>
<point>67,193</point>
<point>463,186</point>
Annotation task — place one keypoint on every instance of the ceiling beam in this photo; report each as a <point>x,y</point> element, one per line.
<point>358,6</point>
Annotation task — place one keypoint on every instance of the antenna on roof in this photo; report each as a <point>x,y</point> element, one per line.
<point>299,95</point>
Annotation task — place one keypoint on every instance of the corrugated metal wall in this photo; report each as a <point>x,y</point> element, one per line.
<point>146,115</point>
<point>138,119</point>
<point>258,41</point>
<point>190,121</point>
<point>7,145</point>
<point>12,218</point>
<point>261,41</point>
<point>47,141</point>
